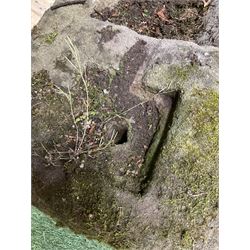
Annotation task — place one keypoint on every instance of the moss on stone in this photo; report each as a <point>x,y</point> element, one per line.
<point>50,111</point>
<point>197,148</point>
<point>172,77</point>
<point>186,240</point>
<point>50,38</point>
<point>191,155</point>
<point>99,101</point>
<point>89,190</point>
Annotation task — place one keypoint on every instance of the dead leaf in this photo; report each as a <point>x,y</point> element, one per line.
<point>162,14</point>
<point>114,13</point>
<point>143,28</point>
<point>92,129</point>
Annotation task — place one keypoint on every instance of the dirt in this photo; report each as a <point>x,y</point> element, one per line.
<point>160,19</point>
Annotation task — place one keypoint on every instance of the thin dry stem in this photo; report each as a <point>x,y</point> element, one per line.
<point>69,98</point>
<point>79,68</point>
<point>141,103</point>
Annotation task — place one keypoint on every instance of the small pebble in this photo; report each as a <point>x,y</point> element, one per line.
<point>122,171</point>
<point>183,208</point>
<point>106,92</point>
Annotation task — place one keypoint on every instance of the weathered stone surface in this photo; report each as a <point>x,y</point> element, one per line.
<point>156,185</point>
<point>211,25</point>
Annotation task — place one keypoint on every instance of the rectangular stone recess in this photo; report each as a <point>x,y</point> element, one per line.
<point>134,160</point>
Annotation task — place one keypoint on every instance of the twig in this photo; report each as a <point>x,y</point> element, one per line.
<point>73,2</point>
<point>195,195</point>
<point>139,104</point>
<point>113,136</point>
<point>206,2</point>
<point>81,142</point>
<point>99,13</point>
<point>50,155</point>
<point>69,98</point>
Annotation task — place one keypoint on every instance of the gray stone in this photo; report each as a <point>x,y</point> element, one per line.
<point>211,22</point>
<point>171,88</point>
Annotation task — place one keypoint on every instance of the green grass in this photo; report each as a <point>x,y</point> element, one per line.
<point>47,236</point>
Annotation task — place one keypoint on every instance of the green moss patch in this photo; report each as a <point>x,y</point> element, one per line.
<point>173,77</point>
<point>50,38</point>
<point>191,157</point>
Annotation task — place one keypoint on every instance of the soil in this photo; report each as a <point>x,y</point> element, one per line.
<point>160,19</point>
<point>107,34</point>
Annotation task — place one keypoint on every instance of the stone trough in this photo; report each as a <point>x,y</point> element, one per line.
<point>124,132</point>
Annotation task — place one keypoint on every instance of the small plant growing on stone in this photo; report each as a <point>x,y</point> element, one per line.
<point>85,118</point>
<point>50,38</point>
<point>90,136</point>
<point>75,62</point>
<point>79,69</point>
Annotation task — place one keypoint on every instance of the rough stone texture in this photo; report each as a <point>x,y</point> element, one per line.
<point>94,3</point>
<point>211,23</point>
<point>178,206</point>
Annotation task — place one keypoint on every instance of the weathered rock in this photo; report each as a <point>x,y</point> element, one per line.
<point>155,186</point>
<point>210,35</point>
